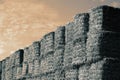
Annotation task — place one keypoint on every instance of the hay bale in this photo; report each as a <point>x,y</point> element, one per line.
<point>81,23</point>
<point>60,74</point>
<point>19,72</point>
<point>59,59</point>
<point>36,78</point>
<point>60,37</point>
<point>42,43</point>
<point>103,45</point>
<point>47,64</point>
<point>7,63</point>
<point>104,18</point>
<point>106,69</point>
<point>79,51</point>
<point>25,69</point>
<point>69,32</point>
<point>30,56</point>
<point>26,54</point>
<point>84,72</point>
<point>59,47</point>
<point>47,44</point>
<point>14,72</point>
<point>68,54</point>
<point>71,74</point>
<point>35,49</point>
<point>30,68</point>
<point>43,65</point>
<point>59,52</point>
<point>12,60</point>
<point>79,38</point>
<point>44,77</point>
<point>6,75</point>
<point>10,75</point>
<point>36,67</point>
<point>50,76</point>
<point>19,57</point>
<point>50,63</point>
<point>69,45</point>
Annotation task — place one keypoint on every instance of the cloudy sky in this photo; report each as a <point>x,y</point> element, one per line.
<point>24,21</point>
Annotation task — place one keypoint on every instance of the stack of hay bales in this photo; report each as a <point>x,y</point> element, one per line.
<point>71,72</point>
<point>17,69</point>
<point>104,36</point>
<point>80,30</point>
<point>31,62</point>
<point>68,44</point>
<point>47,56</point>
<point>36,71</point>
<point>79,38</point>
<point>25,62</point>
<point>84,72</point>
<point>36,58</point>
<point>59,53</point>
<point>12,66</point>
<point>105,69</point>
<point>103,44</point>
<point>7,69</point>
<point>72,52</point>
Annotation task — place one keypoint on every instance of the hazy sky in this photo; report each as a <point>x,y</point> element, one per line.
<point>24,21</point>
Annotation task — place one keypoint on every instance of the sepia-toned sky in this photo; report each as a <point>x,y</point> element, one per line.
<point>24,21</point>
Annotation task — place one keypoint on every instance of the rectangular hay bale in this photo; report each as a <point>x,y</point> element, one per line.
<point>103,45</point>
<point>47,43</point>
<point>105,69</point>
<point>104,18</point>
<point>60,37</point>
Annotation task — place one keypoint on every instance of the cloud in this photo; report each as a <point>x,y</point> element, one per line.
<point>22,22</point>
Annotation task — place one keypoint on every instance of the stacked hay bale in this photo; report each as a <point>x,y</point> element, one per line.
<point>11,64</point>
<point>79,38</point>
<point>17,69</point>
<point>25,62</point>
<point>36,59</point>
<point>84,72</point>
<point>47,56</point>
<point>3,69</point>
<point>80,30</point>
<point>103,43</point>
<point>31,63</point>
<point>59,53</point>
<point>68,45</point>
<point>105,69</point>
<point>71,72</point>
<point>7,69</point>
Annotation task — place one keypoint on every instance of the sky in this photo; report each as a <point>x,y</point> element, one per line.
<point>25,21</point>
